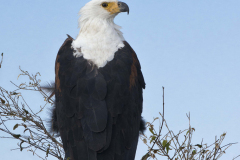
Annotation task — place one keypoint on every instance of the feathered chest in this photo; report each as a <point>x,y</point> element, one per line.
<point>117,70</point>
<point>98,44</point>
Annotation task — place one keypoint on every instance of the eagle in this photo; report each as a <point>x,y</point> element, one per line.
<point>98,88</point>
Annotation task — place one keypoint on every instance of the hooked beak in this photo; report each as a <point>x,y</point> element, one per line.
<point>123,7</point>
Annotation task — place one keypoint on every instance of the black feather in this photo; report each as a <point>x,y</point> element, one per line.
<point>98,111</point>
<point>96,117</point>
<point>142,126</point>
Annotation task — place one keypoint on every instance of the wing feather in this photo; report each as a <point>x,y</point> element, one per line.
<point>98,110</point>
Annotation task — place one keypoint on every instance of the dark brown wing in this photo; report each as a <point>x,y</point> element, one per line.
<point>98,110</point>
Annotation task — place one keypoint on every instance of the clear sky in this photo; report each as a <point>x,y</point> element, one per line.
<point>190,47</point>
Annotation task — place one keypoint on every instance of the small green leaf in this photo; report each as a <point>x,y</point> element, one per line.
<point>47,151</point>
<point>145,157</point>
<point>145,141</point>
<point>16,126</point>
<point>150,129</point>
<point>153,138</point>
<point>181,148</point>
<point>24,119</point>
<point>2,101</point>
<point>16,135</point>
<point>14,93</point>
<point>224,134</point>
<point>194,152</point>
<point>168,146</point>
<point>164,143</point>
<point>25,111</point>
<point>205,151</point>
<point>199,145</point>
<point>155,150</point>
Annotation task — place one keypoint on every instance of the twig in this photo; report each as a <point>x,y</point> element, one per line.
<point>236,157</point>
<point>13,107</point>
<point>160,130</point>
<point>184,150</point>
<point>1,60</point>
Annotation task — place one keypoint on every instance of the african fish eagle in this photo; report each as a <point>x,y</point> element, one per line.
<point>98,88</point>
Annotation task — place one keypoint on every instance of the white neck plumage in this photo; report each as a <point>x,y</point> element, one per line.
<point>98,40</point>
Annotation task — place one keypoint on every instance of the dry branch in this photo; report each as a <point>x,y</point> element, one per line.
<point>35,136</point>
<point>169,144</point>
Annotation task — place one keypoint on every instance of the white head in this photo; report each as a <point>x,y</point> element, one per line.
<point>99,37</point>
<point>102,9</point>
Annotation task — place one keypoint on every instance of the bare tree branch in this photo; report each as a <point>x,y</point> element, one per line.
<point>35,136</point>
<point>171,147</point>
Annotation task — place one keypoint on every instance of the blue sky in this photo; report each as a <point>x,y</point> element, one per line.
<point>190,47</point>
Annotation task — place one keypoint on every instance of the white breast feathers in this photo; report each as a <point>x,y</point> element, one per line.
<point>98,40</point>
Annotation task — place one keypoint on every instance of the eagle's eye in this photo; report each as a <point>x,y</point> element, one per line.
<point>104,5</point>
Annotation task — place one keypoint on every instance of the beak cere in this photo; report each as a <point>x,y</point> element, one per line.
<point>117,7</point>
<point>113,8</point>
